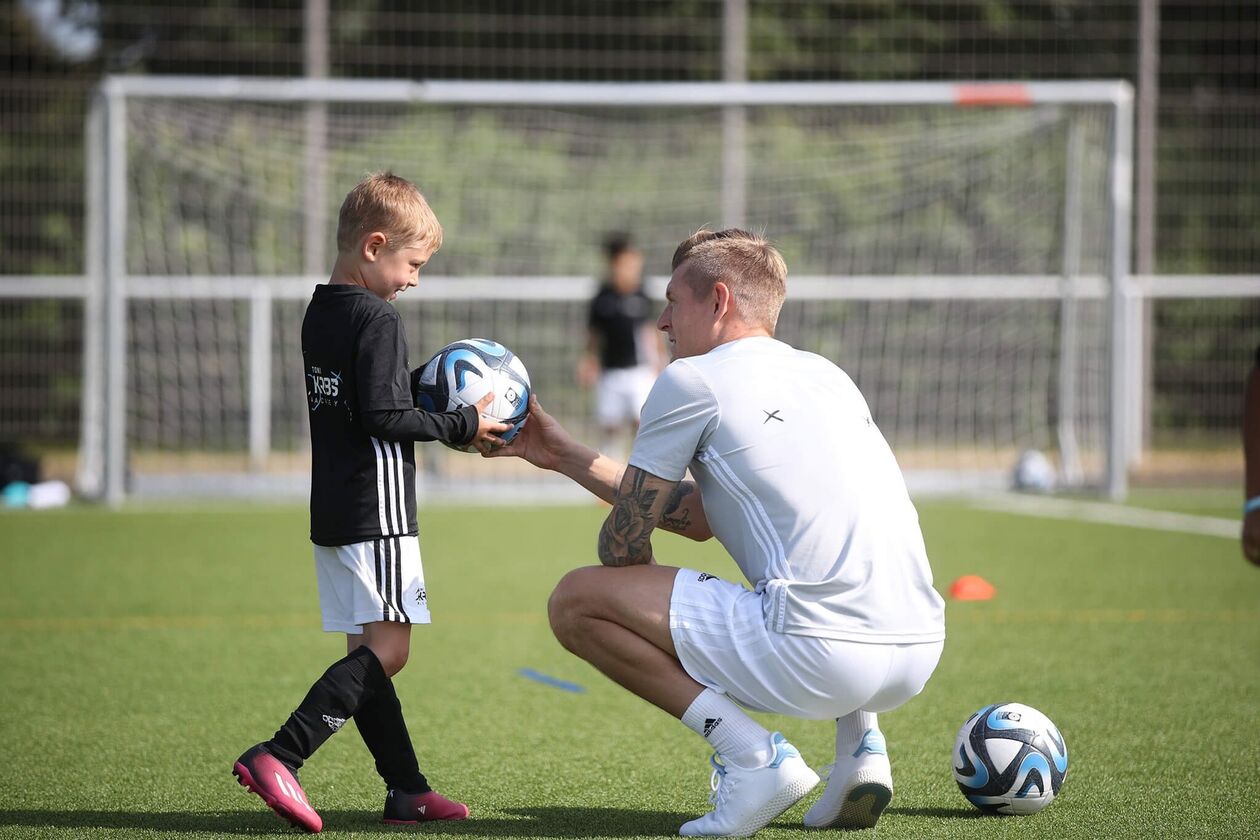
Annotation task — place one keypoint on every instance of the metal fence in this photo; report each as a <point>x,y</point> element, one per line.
<point>1195,64</point>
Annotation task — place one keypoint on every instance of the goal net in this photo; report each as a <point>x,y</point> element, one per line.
<point>953,249</point>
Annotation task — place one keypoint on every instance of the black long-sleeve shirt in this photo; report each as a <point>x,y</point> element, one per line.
<point>363,419</point>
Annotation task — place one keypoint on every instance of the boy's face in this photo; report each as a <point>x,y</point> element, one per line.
<point>387,272</point>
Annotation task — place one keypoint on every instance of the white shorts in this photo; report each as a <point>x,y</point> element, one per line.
<point>620,395</point>
<point>377,580</point>
<point>723,643</point>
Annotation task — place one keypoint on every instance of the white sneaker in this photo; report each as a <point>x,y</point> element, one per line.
<point>858,789</point>
<point>745,801</point>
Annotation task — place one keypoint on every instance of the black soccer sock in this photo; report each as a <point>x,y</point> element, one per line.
<point>380,722</point>
<point>336,696</point>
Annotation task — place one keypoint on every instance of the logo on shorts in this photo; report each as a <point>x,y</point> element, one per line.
<point>334,723</point>
<point>706,576</point>
<point>710,724</point>
<point>420,596</point>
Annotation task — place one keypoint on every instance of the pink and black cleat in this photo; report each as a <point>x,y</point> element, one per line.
<point>260,772</point>
<point>411,808</point>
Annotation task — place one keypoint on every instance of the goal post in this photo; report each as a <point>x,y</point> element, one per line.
<point>962,250</point>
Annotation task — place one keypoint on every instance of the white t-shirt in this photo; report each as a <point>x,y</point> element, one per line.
<point>799,486</point>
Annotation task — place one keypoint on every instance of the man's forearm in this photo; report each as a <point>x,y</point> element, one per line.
<point>595,471</point>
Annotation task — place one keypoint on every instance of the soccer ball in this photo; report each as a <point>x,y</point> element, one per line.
<point>1009,759</point>
<point>464,371</point>
<point>1033,473</point>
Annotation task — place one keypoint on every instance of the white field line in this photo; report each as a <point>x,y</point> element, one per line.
<point>1109,514</point>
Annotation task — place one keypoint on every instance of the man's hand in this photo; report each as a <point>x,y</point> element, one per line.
<point>488,429</point>
<point>542,441</point>
<point>1251,537</point>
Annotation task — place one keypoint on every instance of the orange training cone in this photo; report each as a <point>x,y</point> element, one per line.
<point>971,588</point>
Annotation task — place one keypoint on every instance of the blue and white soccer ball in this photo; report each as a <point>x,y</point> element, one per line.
<point>464,371</point>
<point>1009,759</point>
<point>1033,473</point>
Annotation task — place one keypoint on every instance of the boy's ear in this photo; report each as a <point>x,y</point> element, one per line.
<point>373,244</point>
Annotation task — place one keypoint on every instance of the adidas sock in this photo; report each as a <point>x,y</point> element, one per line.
<point>850,729</point>
<point>380,722</point>
<point>328,704</point>
<point>735,736</point>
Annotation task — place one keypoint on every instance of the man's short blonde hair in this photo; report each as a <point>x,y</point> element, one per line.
<point>392,205</point>
<point>751,268</point>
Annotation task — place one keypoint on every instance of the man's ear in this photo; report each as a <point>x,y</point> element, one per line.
<point>373,244</point>
<point>721,298</point>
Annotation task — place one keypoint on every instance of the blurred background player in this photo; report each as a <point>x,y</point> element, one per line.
<point>363,506</point>
<point>1251,458</point>
<point>623,351</point>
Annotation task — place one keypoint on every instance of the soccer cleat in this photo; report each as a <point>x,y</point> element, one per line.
<point>858,789</point>
<point>411,808</point>
<point>260,772</point>
<point>745,800</point>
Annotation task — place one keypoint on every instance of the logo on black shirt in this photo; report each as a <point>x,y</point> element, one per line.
<point>323,388</point>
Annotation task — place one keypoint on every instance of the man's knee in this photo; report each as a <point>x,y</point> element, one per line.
<point>568,606</point>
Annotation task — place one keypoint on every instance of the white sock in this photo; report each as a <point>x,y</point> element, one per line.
<point>735,736</point>
<point>850,729</point>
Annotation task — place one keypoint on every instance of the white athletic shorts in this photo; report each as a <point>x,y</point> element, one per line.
<point>723,643</point>
<point>620,394</point>
<point>377,580</point>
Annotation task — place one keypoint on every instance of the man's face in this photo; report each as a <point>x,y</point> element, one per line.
<point>688,319</point>
<point>386,272</point>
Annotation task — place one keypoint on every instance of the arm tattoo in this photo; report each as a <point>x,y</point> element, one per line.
<point>624,539</point>
<point>671,518</point>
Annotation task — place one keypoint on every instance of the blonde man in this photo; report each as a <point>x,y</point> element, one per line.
<point>795,480</point>
<point>363,508</point>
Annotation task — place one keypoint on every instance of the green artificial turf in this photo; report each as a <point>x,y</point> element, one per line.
<point>142,651</point>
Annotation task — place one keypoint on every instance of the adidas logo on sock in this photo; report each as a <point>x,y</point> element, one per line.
<point>710,724</point>
<point>334,723</point>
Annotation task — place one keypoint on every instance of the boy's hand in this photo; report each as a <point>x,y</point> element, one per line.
<point>542,441</point>
<point>488,429</point>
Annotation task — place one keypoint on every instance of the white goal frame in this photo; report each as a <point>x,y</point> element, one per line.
<point>103,452</point>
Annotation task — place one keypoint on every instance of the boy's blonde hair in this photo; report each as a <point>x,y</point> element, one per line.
<point>751,268</point>
<point>392,205</point>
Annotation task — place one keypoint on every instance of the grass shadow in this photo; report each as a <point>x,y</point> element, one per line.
<point>939,813</point>
<point>552,821</point>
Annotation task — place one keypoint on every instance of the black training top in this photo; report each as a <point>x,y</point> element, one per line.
<point>363,419</point>
<point>617,320</point>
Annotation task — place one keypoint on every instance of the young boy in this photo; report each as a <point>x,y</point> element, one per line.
<point>363,509</point>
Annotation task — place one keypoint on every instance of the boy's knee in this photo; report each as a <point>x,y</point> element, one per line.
<point>393,660</point>
<point>392,653</point>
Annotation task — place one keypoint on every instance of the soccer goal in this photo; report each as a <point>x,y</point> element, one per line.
<point>961,250</point>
